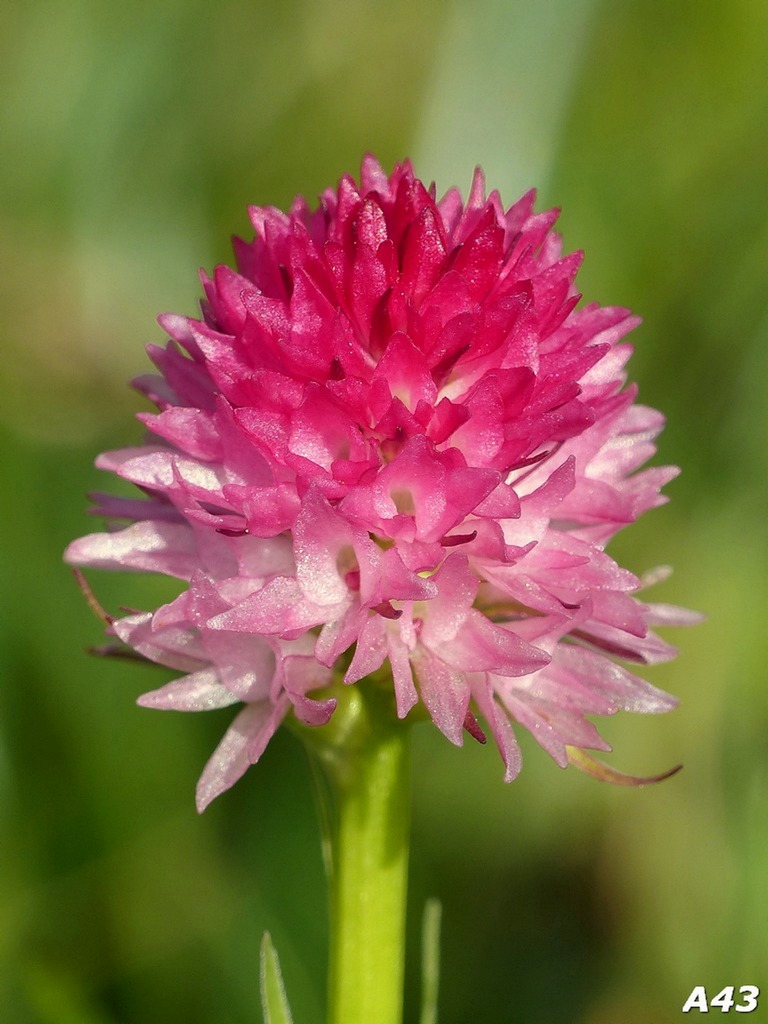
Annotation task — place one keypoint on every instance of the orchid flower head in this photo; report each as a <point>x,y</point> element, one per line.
<point>394,447</point>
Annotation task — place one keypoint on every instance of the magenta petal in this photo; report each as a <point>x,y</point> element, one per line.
<point>406,372</point>
<point>312,712</point>
<point>501,503</point>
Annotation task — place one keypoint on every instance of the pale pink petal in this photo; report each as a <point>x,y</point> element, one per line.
<point>406,696</point>
<point>279,608</point>
<point>501,728</point>
<point>482,646</point>
<point>445,692</point>
<point>199,691</point>
<point>370,650</point>
<point>671,615</point>
<point>176,645</point>
<point>243,744</point>
<point>148,546</point>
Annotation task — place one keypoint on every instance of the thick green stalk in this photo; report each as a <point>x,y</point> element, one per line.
<point>366,761</point>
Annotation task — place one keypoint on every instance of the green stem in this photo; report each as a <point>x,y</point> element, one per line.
<point>366,762</point>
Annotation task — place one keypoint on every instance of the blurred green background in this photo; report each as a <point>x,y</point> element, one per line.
<point>134,136</point>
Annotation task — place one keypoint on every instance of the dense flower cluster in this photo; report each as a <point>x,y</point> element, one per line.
<point>393,444</point>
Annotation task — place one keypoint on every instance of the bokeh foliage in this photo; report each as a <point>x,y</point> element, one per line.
<point>134,137</point>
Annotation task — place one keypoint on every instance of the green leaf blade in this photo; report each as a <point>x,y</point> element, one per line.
<point>274,1002</point>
